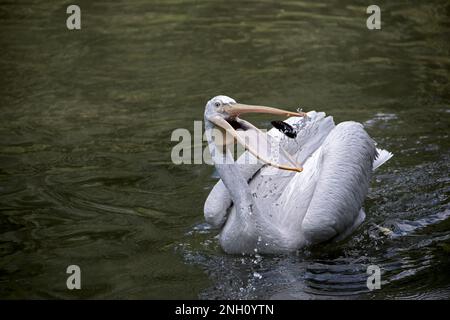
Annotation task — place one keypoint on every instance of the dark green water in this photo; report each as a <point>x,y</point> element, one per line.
<point>86,120</point>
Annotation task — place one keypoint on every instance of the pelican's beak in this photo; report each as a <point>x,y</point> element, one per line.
<point>236,109</point>
<point>260,144</point>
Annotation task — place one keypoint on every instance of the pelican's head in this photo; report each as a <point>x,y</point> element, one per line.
<point>222,112</point>
<point>228,109</point>
<point>216,107</point>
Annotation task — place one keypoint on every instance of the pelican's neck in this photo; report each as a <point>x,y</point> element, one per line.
<point>247,212</point>
<point>229,172</point>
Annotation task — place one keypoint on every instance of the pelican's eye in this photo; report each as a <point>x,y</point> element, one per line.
<point>217,104</point>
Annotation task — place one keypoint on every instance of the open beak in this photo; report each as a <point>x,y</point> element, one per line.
<point>260,144</point>
<point>236,109</point>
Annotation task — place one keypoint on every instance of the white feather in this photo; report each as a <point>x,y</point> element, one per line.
<point>382,157</point>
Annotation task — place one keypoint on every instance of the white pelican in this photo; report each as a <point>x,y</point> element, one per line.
<point>277,205</point>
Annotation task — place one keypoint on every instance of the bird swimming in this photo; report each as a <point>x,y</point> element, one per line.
<point>301,183</point>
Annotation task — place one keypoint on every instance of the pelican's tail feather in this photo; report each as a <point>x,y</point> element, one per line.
<point>382,157</point>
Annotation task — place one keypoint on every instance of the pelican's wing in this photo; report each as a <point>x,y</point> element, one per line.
<point>325,202</point>
<point>311,132</point>
<point>295,199</point>
<point>346,161</point>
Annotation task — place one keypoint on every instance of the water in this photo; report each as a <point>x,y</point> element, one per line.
<point>86,120</point>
